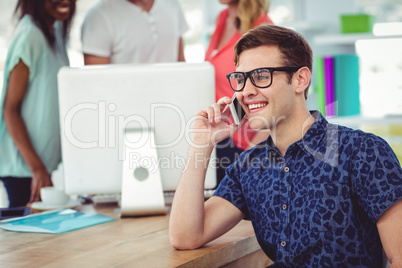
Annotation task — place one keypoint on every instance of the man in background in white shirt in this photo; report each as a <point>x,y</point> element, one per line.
<point>133,31</point>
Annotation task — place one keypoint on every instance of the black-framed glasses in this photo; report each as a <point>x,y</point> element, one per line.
<point>260,77</point>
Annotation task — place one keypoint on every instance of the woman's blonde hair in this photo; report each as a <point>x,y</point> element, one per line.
<point>249,11</point>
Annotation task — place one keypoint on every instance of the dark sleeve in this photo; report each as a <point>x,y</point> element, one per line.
<point>377,176</point>
<point>230,188</point>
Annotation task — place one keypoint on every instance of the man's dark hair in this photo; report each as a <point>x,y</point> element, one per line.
<point>294,48</point>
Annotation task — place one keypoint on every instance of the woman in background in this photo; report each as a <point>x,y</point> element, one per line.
<point>235,20</point>
<point>29,115</point>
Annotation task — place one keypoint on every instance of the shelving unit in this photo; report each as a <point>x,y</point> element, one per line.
<point>347,39</point>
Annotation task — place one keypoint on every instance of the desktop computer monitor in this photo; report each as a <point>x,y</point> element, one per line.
<point>99,104</point>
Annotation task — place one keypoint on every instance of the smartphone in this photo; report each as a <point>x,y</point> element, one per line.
<point>237,111</point>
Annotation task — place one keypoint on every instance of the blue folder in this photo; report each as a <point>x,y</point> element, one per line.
<point>54,221</point>
<point>347,88</point>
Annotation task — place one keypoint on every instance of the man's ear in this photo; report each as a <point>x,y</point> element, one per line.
<point>302,76</point>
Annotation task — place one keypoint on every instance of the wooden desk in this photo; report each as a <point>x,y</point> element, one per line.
<point>127,242</point>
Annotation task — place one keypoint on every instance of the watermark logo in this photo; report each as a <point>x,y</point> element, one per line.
<point>109,126</point>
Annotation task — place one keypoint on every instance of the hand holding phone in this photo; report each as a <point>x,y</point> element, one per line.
<point>236,110</point>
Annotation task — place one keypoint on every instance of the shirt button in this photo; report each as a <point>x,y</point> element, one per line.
<point>284,206</point>
<point>286,169</point>
<point>283,243</point>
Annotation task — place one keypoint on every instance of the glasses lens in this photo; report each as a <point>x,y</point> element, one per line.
<point>261,77</point>
<point>236,81</point>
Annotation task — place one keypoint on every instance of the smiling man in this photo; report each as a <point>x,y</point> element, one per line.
<point>318,194</point>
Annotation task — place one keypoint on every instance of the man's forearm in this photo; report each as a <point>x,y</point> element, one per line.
<point>390,229</point>
<point>187,215</point>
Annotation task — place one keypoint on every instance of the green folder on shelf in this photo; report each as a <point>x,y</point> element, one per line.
<point>320,85</point>
<point>54,221</point>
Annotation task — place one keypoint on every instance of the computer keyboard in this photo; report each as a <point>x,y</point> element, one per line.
<point>103,199</point>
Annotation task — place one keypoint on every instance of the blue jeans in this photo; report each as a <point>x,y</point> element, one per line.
<point>18,190</point>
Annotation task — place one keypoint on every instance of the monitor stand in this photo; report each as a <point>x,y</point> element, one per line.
<point>142,192</point>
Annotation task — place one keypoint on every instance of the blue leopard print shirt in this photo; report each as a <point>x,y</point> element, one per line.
<point>317,206</point>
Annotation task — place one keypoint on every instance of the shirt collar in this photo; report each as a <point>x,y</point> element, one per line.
<point>313,136</point>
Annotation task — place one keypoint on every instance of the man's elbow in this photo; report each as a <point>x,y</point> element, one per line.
<point>184,242</point>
